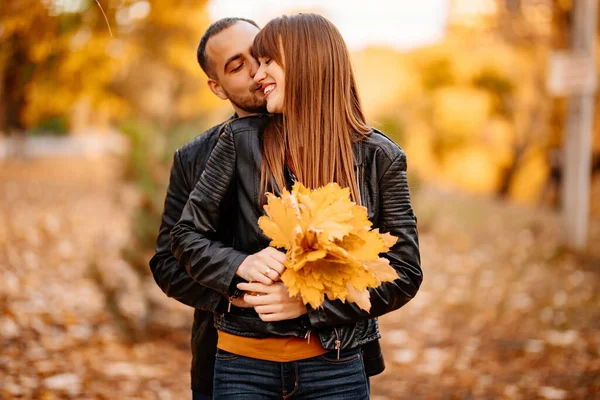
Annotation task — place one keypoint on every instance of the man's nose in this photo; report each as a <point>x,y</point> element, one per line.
<point>259,74</point>
<point>254,67</point>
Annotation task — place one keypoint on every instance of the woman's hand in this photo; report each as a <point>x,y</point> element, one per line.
<point>239,302</point>
<point>265,267</point>
<point>273,302</point>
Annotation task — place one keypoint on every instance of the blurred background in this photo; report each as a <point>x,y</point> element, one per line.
<point>493,101</point>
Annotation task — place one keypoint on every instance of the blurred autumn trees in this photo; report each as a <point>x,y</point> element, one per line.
<point>471,110</point>
<point>61,68</point>
<point>64,68</point>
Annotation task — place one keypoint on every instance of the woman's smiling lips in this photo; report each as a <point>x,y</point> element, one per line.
<point>269,88</point>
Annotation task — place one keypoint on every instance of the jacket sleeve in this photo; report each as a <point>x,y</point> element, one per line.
<point>397,218</point>
<point>194,240</point>
<point>172,280</point>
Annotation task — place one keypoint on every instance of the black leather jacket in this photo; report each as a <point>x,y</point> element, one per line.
<point>233,172</point>
<point>188,164</point>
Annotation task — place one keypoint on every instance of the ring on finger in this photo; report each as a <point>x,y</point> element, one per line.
<point>267,271</point>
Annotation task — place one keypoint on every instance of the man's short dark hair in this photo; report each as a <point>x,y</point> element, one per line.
<point>213,29</point>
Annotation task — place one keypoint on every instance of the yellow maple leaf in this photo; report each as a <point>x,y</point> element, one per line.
<point>362,278</point>
<point>360,218</point>
<point>282,222</point>
<point>364,246</point>
<point>332,250</point>
<point>387,238</point>
<point>329,209</point>
<point>360,297</point>
<point>311,292</point>
<point>330,272</point>
<point>382,270</point>
<point>299,190</point>
<point>290,280</point>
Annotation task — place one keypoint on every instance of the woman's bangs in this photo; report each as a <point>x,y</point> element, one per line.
<point>266,43</point>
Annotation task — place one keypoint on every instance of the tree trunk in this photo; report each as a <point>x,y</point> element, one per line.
<point>508,174</point>
<point>17,74</point>
<point>5,55</point>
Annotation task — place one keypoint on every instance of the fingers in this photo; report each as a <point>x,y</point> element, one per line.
<point>266,294</point>
<point>272,274</point>
<point>287,311</point>
<point>254,287</point>
<point>272,302</point>
<point>240,303</point>
<point>277,287</point>
<point>277,256</point>
<point>265,267</point>
<point>269,309</point>
<point>259,274</point>
<point>257,300</point>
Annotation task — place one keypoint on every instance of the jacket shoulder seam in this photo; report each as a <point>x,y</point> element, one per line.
<point>385,148</point>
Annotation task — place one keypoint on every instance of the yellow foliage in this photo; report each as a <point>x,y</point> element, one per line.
<point>472,167</point>
<point>499,138</point>
<point>530,178</point>
<point>70,58</point>
<point>383,76</point>
<point>419,144</point>
<point>460,112</point>
<point>331,249</point>
<point>463,106</point>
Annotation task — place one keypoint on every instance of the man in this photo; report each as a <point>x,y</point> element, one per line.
<point>224,53</point>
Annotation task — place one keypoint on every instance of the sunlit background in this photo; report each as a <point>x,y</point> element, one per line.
<point>95,100</point>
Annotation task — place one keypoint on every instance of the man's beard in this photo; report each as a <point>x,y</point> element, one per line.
<point>249,102</point>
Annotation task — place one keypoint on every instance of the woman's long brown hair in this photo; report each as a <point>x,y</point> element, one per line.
<point>322,115</point>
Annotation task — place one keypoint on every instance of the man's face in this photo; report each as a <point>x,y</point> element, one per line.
<point>234,68</point>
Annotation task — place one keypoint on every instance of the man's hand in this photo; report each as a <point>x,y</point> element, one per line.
<point>273,302</point>
<point>265,267</point>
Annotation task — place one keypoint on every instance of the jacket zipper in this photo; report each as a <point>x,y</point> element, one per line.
<point>307,336</point>
<point>229,300</point>
<point>338,343</point>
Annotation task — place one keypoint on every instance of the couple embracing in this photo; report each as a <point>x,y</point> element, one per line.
<point>298,118</point>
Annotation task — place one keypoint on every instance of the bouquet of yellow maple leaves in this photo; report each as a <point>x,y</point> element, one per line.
<point>331,249</point>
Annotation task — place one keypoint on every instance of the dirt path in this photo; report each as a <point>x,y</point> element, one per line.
<point>63,219</point>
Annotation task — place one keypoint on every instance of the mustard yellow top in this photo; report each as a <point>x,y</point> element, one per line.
<point>278,349</point>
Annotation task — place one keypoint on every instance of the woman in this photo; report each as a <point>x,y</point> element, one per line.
<point>316,134</point>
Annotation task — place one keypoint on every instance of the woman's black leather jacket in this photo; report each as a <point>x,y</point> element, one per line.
<point>233,171</point>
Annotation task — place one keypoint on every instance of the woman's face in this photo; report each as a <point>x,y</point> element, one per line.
<point>272,78</point>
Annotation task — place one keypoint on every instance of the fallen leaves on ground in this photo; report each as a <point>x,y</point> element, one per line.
<point>503,312</point>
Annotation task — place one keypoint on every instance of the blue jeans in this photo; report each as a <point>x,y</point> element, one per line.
<point>322,377</point>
